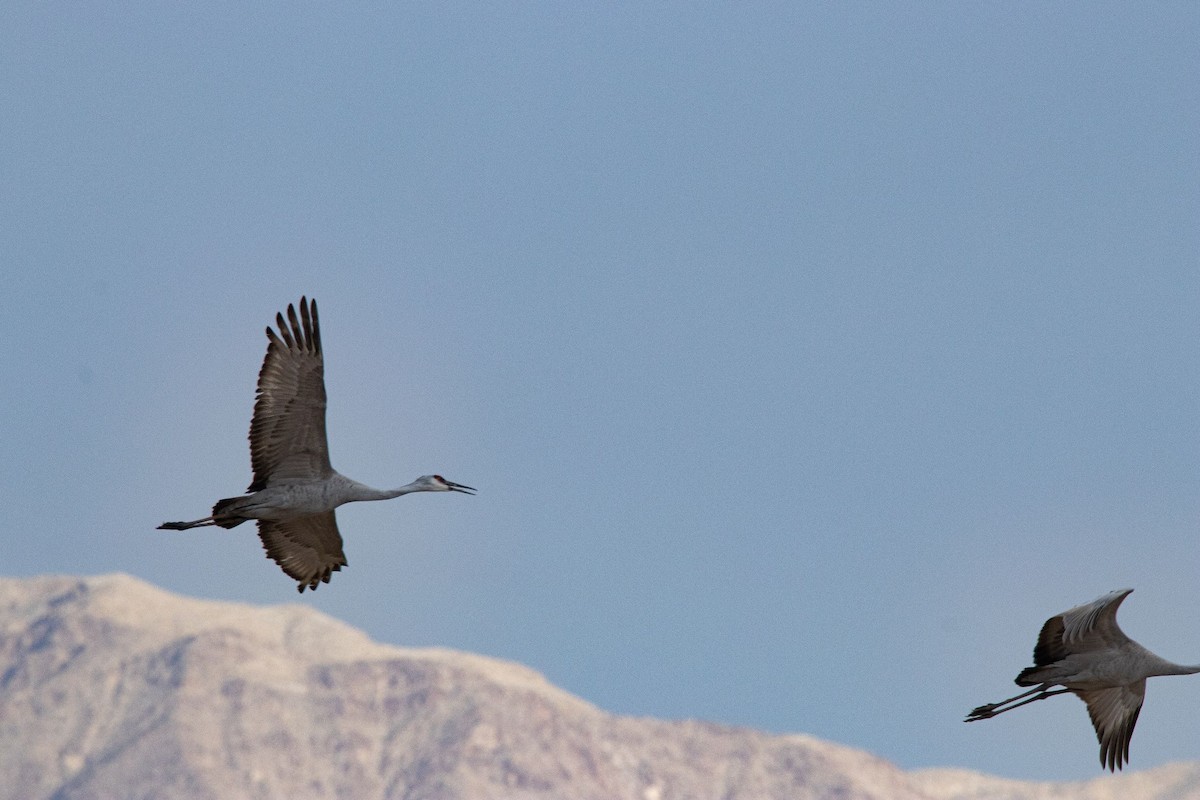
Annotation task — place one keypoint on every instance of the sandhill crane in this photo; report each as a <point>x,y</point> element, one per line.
<point>1084,651</point>
<point>295,490</point>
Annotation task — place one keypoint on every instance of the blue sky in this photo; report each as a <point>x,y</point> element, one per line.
<point>806,358</point>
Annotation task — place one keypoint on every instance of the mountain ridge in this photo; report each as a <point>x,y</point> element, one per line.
<point>111,687</point>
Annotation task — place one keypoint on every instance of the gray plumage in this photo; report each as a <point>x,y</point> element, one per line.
<point>1084,651</point>
<point>295,489</point>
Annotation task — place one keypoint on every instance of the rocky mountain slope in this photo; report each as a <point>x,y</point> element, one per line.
<point>111,688</point>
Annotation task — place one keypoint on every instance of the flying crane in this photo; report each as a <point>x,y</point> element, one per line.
<point>295,489</point>
<point>1085,652</point>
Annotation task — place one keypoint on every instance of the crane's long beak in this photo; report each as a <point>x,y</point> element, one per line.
<point>458,487</point>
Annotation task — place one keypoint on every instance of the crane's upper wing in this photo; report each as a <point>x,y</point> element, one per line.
<point>1114,712</point>
<point>1071,630</point>
<point>287,434</point>
<point>308,549</point>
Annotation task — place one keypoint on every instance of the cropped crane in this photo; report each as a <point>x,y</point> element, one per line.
<point>1084,651</point>
<point>295,489</point>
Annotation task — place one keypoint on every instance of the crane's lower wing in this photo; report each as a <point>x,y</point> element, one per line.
<point>1114,712</point>
<point>308,549</point>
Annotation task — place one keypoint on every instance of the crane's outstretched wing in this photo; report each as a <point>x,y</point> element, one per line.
<point>308,549</point>
<point>1089,626</point>
<point>287,433</point>
<point>1097,619</point>
<point>1114,712</point>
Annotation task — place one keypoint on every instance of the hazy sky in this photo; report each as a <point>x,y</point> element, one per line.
<point>806,358</point>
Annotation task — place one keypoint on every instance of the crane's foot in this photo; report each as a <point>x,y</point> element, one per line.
<point>982,712</point>
<point>183,526</point>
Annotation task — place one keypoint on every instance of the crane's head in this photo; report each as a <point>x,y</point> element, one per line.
<point>436,483</point>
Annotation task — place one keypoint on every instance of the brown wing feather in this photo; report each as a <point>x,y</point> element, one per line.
<point>308,549</point>
<point>287,433</point>
<point>1050,647</point>
<point>1114,712</point>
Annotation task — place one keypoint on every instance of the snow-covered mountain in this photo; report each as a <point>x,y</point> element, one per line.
<point>111,688</point>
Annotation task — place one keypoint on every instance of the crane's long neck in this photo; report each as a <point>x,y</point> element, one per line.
<point>1180,669</point>
<point>1163,667</point>
<point>360,491</point>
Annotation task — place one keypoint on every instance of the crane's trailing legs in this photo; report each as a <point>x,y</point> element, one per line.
<point>225,513</point>
<point>992,709</point>
<point>183,526</point>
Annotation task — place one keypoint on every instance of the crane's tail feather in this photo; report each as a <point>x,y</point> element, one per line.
<point>1032,676</point>
<point>227,513</point>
